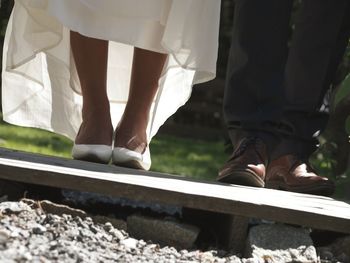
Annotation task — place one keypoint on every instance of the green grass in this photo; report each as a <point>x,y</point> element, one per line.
<point>192,158</point>
<point>324,166</point>
<point>34,140</point>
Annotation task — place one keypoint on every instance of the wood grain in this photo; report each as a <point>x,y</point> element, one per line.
<point>294,208</point>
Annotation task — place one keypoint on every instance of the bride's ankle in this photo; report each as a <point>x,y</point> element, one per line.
<point>97,113</point>
<point>95,132</point>
<point>131,141</point>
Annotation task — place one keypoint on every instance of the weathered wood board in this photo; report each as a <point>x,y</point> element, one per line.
<point>306,210</point>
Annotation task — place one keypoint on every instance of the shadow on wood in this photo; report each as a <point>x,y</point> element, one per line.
<point>293,208</point>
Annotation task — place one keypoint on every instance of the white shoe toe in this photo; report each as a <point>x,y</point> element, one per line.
<point>92,152</point>
<point>128,158</point>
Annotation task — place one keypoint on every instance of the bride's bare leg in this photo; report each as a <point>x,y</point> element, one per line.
<point>90,57</point>
<point>146,70</point>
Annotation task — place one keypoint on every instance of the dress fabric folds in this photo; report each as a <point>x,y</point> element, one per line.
<point>40,86</point>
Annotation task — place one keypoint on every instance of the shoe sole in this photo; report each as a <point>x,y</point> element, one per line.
<point>324,189</point>
<point>242,177</point>
<point>130,164</point>
<point>91,158</point>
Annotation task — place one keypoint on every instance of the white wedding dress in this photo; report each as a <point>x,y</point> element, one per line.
<point>40,87</point>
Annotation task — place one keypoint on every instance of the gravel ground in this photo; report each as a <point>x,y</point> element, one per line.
<point>27,234</point>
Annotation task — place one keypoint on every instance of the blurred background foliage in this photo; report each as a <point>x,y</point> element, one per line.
<point>192,142</point>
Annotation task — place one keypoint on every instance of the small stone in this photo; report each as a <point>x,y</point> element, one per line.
<point>108,226</point>
<point>183,252</point>
<point>13,207</point>
<point>207,257</point>
<point>4,236</point>
<point>39,229</point>
<point>67,217</point>
<point>166,232</point>
<point>308,253</point>
<point>280,243</point>
<point>85,233</point>
<point>115,222</point>
<point>153,247</point>
<point>141,243</point>
<point>15,233</point>
<point>32,203</point>
<point>83,225</point>
<point>77,219</point>
<point>107,238</point>
<point>220,260</point>
<point>53,245</point>
<point>300,254</point>
<point>129,243</point>
<point>89,220</point>
<point>278,236</point>
<point>250,260</point>
<point>72,233</point>
<point>94,229</point>
<point>51,218</point>
<point>117,234</point>
<point>27,256</point>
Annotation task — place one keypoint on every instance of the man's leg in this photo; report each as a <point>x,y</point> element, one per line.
<point>319,42</point>
<point>253,94</point>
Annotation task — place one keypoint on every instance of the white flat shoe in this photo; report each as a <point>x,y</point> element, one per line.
<point>128,158</point>
<point>97,153</point>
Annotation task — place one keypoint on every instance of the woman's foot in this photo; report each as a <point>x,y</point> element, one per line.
<point>95,132</point>
<point>130,144</point>
<point>94,139</point>
<point>131,131</point>
<point>131,141</point>
<point>96,127</point>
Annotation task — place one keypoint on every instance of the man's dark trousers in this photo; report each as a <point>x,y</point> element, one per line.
<point>275,92</point>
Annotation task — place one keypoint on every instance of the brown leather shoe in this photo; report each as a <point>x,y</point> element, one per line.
<point>291,174</point>
<point>246,165</point>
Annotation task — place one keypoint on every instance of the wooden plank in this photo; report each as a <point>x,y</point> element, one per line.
<point>307,210</point>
